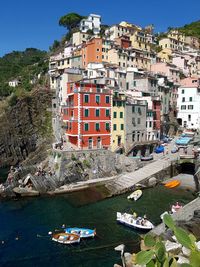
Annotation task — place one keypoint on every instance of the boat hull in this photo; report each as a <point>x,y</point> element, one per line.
<point>66,239</point>
<point>83,232</point>
<point>135,195</point>
<point>131,222</point>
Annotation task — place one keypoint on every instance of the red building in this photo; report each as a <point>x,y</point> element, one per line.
<point>156,110</point>
<point>87,115</point>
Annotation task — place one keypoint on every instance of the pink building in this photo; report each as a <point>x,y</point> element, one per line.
<point>167,69</point>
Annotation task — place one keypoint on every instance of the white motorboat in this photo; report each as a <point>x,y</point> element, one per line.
<point>135,195</point>
<point>140,223</point>
<point>176,207</point>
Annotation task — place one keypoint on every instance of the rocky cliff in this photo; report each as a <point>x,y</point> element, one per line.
<point>25,127</point>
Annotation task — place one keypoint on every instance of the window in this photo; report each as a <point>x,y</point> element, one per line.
<point>190,99</point>
<point>86,98</point>
<point>86,126</point>
<point>139,110</point>
<point>97,98</point>
<point>122,127</point>
<point>121,115</point>
<point>150,124</point>
<point>115,115</point>
<point>138,120</point>
<point>183,91</point>
<point>133,109</point>
<point>107,99</point>
<point>97,112</point>
<point>114,127</point>
<point>97,49</point>
<point>107,112</point>
<point>86,112</point>
<point>183,99</point>
<point>107,126</point>
<point>190,106</point>
<point>97,127</point>
<point>189,117</point>
<point>183,107</point>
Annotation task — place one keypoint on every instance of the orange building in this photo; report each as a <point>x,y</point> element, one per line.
<point>92,51</point>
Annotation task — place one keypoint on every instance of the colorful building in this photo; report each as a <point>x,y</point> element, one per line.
<point>87,115</point>
<point>118,127</point>
<point>92,51</point>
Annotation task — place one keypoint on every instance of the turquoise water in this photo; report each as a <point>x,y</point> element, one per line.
<point>31,219</point>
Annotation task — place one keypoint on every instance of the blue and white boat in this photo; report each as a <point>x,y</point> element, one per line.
<point>83,232</point>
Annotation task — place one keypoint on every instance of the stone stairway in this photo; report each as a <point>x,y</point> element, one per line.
<point>128,180</point>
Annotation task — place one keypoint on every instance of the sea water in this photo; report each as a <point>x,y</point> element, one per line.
<point>25,223</point>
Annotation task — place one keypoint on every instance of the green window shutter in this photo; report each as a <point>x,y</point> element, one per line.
<point>121,115</point>
<point>107,112</point>
<point>86,112</point>
<point>86,98</point>
<point>115,114</point>
<point>122,127</point>
<point>115,127</point>
<point>107,126</point>
<point>97,127</point>
<point>97,112</point>
<point>107,99</point>
<point>86,126</point>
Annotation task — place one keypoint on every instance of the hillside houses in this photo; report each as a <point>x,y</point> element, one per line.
<point>114,90</point>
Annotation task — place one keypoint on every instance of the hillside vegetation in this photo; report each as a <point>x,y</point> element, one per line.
<point>24,65</point>
<point>192,29</point>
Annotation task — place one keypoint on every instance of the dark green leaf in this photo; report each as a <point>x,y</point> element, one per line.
<point>143,257</point>
<point>149,241</point>
<point>160,251</point>
<point>150,264</point>
<point>183,238</point>
<point>195,258</point>
<point>168,221</point>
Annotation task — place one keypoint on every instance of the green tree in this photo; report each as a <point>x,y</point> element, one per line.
<point>70,20</point>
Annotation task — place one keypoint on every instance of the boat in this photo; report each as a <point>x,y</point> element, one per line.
<point>83,232</point>
<point>176,207</point>
<point>159,149</point>
<point>147,158</point>
<point>135,195</point>
<point>65,238</point>
<point>172,184</point>
<point>134,222</point>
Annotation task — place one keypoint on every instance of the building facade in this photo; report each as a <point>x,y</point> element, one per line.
<point>87,115</point>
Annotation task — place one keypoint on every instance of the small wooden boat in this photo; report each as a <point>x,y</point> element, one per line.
<point>83,232</point>
<point>134,222</point>
<point>65,238</point>
<point>172,184</point>
<point>135,195</point>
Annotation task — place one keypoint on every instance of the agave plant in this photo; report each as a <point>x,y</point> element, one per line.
<point>154,251</point>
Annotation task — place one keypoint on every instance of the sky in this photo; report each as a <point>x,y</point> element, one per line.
<point>34,23</point>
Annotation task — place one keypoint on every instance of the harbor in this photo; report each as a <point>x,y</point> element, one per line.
<point>26,223</point>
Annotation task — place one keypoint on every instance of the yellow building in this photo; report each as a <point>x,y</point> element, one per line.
<point>177,35</point>
<point>118,127</point>
<point>139,40</point>
<point>165,55</point>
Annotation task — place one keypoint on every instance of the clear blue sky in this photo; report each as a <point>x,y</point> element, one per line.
<point>34,23</point>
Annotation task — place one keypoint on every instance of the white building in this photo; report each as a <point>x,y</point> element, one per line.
<point>14,83</point>
<point>188,103</point>
<point>93,22</point>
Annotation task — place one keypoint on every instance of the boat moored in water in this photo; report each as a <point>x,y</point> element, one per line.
<point>135,195</point>
<point>83,232</point>
<point>134,222</point>
<point>65,238</point>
